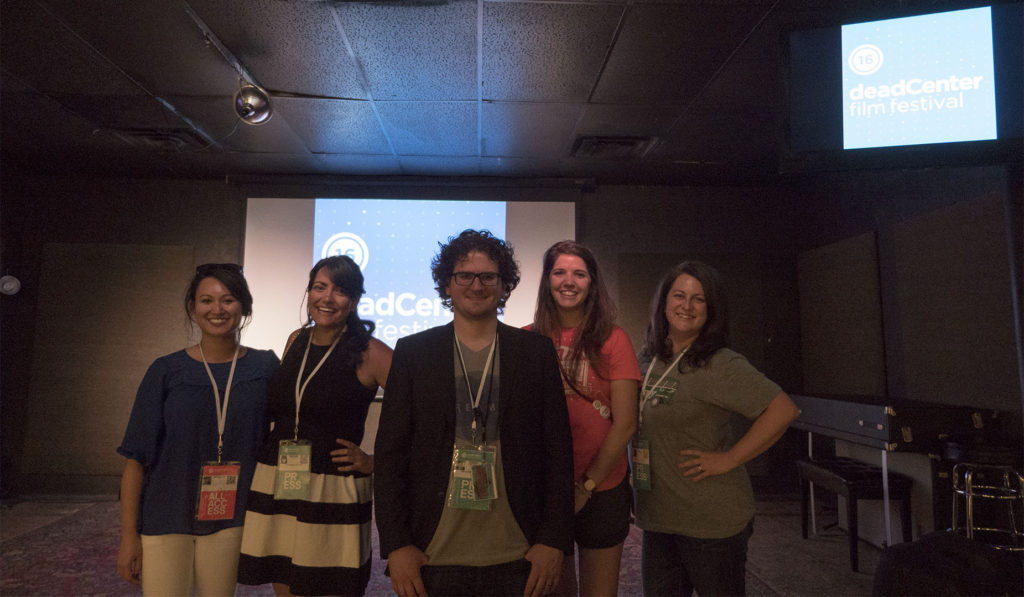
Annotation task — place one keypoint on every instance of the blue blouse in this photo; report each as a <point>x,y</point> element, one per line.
<point>173,431</point>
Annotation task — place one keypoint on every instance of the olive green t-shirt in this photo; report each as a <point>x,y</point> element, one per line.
<point>692,410</point>
<point>475,537</point>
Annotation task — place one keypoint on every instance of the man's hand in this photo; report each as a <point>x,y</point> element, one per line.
<point>545,568</point>
<point>404,564</point>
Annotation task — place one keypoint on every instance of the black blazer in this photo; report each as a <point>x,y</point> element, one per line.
<point>413,450</point>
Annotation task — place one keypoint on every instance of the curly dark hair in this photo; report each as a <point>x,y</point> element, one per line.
<point>442,266</point>
<point>598,312</point>
<point>345,274</point>
<point>713,336</point>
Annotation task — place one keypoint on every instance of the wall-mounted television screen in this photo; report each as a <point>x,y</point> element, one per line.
<point>928,88</point>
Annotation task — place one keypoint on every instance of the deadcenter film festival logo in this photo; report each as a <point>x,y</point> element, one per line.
<point>348,244</point>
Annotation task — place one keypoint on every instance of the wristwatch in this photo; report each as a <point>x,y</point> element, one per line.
<point>589,484</point>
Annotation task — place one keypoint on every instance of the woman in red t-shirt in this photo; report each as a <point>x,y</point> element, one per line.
<point>600,374</point>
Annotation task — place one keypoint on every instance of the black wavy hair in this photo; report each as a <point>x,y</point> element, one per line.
<point>345,274</point>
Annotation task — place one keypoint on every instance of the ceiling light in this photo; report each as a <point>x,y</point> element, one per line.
<point>252,104</point>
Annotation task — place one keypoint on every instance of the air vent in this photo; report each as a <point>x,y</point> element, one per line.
<point>159,140</point>
<point>612,148</point>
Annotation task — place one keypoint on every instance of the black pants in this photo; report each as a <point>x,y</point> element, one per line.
<point>476,581</point>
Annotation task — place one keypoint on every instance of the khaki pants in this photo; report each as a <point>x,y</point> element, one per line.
<point>171,564</point>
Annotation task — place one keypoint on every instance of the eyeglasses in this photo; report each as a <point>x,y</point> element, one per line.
<point>486,278</point>
<point>211,267</point>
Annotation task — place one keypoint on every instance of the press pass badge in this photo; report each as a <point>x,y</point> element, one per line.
<point>642,464</point>
<point>218,488</point>
<point>293,464</point>
<point>472,482</point>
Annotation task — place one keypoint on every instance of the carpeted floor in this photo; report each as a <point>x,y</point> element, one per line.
<point>73,551</point>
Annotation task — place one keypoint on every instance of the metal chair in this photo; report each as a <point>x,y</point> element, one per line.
<point>991,500</point>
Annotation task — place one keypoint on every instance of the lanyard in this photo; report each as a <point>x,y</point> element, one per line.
<point>301,389</point>
<point>646,394</point>
<point>475,399</point>
<point>222,410</point>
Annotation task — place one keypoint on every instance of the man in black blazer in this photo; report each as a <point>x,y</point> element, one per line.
<point>473,458</point>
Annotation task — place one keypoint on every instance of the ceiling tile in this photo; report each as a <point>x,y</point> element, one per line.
<point>715,135</point>
<point>668,53</point>
<point>440,166</point>
<point>215,116</point>
<point>431,128</point>
<point>71,66</point>
<point>155,45</point>
<point>519,167</point>
<point>545,52</point>
<point>334,126</point>
<point>705,77</point>
<point>364,165</point>
<point>286,164</point>
<point>415,51</point>
<point>122,111</point>
<point>528,130</point>
<point>291,47</point>
<point>33,123</point>
<point>627,120</point>
<point>754,76</point>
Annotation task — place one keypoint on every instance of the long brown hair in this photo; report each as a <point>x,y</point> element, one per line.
<point>598,313</point>
<point>713,336</point>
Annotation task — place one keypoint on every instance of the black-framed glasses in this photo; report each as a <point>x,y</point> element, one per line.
<point>486,278</point>
<point>212,267</point>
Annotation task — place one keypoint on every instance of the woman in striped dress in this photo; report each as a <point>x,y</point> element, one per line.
<point>307,529</point>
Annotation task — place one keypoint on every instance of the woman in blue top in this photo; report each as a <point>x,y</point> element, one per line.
<point>198,420</point>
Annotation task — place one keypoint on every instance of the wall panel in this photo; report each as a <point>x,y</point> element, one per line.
<point>105,313</point>
<point>955,305</point>
<point>841,318</point>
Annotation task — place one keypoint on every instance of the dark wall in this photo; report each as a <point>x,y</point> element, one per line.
<point>943,251</point>
<point>639,232</point>
<point>207,218</point>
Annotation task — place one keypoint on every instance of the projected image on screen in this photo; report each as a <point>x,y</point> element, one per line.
<point>393,241</point>
<point>922,79</point>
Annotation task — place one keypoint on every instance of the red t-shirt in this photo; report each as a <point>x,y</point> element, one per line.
<point>589,425</point>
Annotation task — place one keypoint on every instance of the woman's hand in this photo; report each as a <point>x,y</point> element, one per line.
<point>129,554</point>
<point>354,459</point>
<point>699,465</point>
<point>582,496</point>
<point>129,558</point>
<point>767,428</point>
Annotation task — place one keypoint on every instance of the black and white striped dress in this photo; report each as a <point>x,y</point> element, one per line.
<point>319,546</point>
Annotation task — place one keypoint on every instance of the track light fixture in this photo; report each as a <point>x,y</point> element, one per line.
<point>252,104</point>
